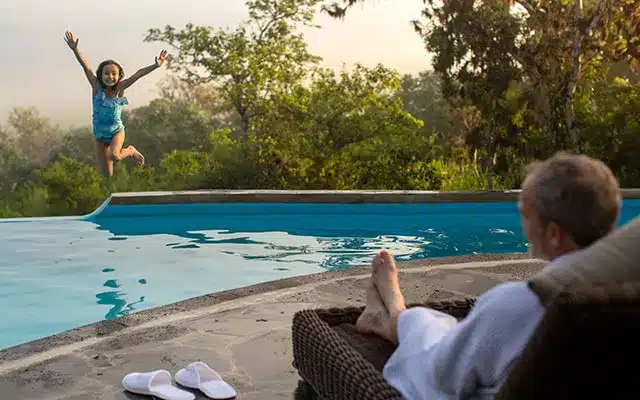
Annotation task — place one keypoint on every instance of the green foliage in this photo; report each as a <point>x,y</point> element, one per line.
<point>261,59</point>
<point>71,185</point>
<point>421,96</point>
<point>7,211</point>
<point>33,201</point>
<point>520,68</point>
<point>132,179</point>
<point>169,124</point>
<point>184,167</point>
<point>610,109</point>
<point>468,174</point>
<point>540,48</point>
<point>11,170</point>
<point>37,137</point>
<point>391,164</point>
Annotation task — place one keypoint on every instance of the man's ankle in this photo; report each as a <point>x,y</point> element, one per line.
<point>394,323</point>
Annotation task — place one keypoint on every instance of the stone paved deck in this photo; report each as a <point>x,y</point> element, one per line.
<point>246,338</point>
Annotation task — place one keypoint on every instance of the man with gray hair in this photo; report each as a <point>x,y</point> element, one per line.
<point>567,203</point>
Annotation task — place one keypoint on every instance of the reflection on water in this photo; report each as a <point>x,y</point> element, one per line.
<point>331,236</point>
<point>343,252</point>
<point>120,305</point>
<point>117,298</point>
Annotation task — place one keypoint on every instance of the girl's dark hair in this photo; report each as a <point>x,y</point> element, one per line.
<point>101,67</point>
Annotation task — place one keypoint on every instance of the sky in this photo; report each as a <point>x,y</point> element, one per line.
<point>38,69</point>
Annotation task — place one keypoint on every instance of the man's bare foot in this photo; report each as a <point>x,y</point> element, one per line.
<point>375,318</point>
<point>385,278</point>
<point>138,156</point>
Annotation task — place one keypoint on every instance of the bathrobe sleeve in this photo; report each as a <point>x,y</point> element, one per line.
<point>439,358</point>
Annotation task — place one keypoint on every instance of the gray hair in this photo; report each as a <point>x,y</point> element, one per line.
<point>578,193</point>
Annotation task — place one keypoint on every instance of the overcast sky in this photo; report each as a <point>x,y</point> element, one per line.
<point>37,69</point>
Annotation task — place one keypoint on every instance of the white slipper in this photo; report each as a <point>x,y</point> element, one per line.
<point>198,375</point>
<point>157,384</point>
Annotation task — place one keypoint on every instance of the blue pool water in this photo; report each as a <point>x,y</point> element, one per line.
<point>61,273</point>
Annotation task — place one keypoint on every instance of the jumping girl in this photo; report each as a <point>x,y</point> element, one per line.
<point>108,86</point>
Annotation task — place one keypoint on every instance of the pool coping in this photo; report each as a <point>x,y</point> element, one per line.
<point>321,196</point>
<point>298,196</point>
<point>110,327</point>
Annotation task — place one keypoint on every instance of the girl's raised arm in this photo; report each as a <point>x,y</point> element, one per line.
<point>72,42</point>
<point>160,59</point>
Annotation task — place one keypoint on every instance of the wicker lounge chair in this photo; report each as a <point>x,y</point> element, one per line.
<point>337,362</point>
<point>581,349</point>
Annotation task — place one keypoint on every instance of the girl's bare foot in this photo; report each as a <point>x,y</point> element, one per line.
<point>138,156</point>
<point>375,318</point>
<point>385,278</point>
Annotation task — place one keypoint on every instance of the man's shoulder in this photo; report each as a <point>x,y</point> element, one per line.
<point>509,298</point>
<point>519,290</point>
<point>505,316</point>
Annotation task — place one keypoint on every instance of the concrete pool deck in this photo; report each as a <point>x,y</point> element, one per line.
<point>243,333</point>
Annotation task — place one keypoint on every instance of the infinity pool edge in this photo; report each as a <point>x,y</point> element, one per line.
<point>299,196</point>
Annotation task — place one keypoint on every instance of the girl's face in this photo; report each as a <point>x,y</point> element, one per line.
<point>110,75</point>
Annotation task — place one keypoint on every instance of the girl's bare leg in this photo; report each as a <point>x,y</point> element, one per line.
<point>119,153</point>
<point>103,154</point>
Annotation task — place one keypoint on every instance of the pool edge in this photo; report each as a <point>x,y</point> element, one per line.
<point>298,196</point>
<point>98,210</point>
<point>86,217</point>
<point>324,196</point>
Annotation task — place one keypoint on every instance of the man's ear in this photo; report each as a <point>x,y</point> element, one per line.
<point>556,235</point>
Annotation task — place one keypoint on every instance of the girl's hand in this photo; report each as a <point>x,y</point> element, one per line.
<point>72,42</point>
<point>160,59</point>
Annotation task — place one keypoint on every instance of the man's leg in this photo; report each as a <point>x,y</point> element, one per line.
<point>385,277</point>
<point>383,294</point>
<point>375,318</point>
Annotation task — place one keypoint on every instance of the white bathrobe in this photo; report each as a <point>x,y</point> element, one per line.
<point>439,358</point>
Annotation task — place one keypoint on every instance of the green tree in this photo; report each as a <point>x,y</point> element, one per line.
<point>422,97</point>
<point>547,42</point>
<point>205,96</point>
<point>263,57</point>
<point>166,125</point>
<point>80,144</point>
<point>182,170</point>
<point>609,110</point>
<point>345,130</point>
<point>72,187</point>
<point>29,200</point>
<point>12,165</point>
<point>34,135</point>
<point>133,179</point>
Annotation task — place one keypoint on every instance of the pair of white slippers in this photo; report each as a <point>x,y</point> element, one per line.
<point>196,375</point>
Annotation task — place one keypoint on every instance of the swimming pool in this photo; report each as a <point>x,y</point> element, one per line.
<point>61,273</point>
